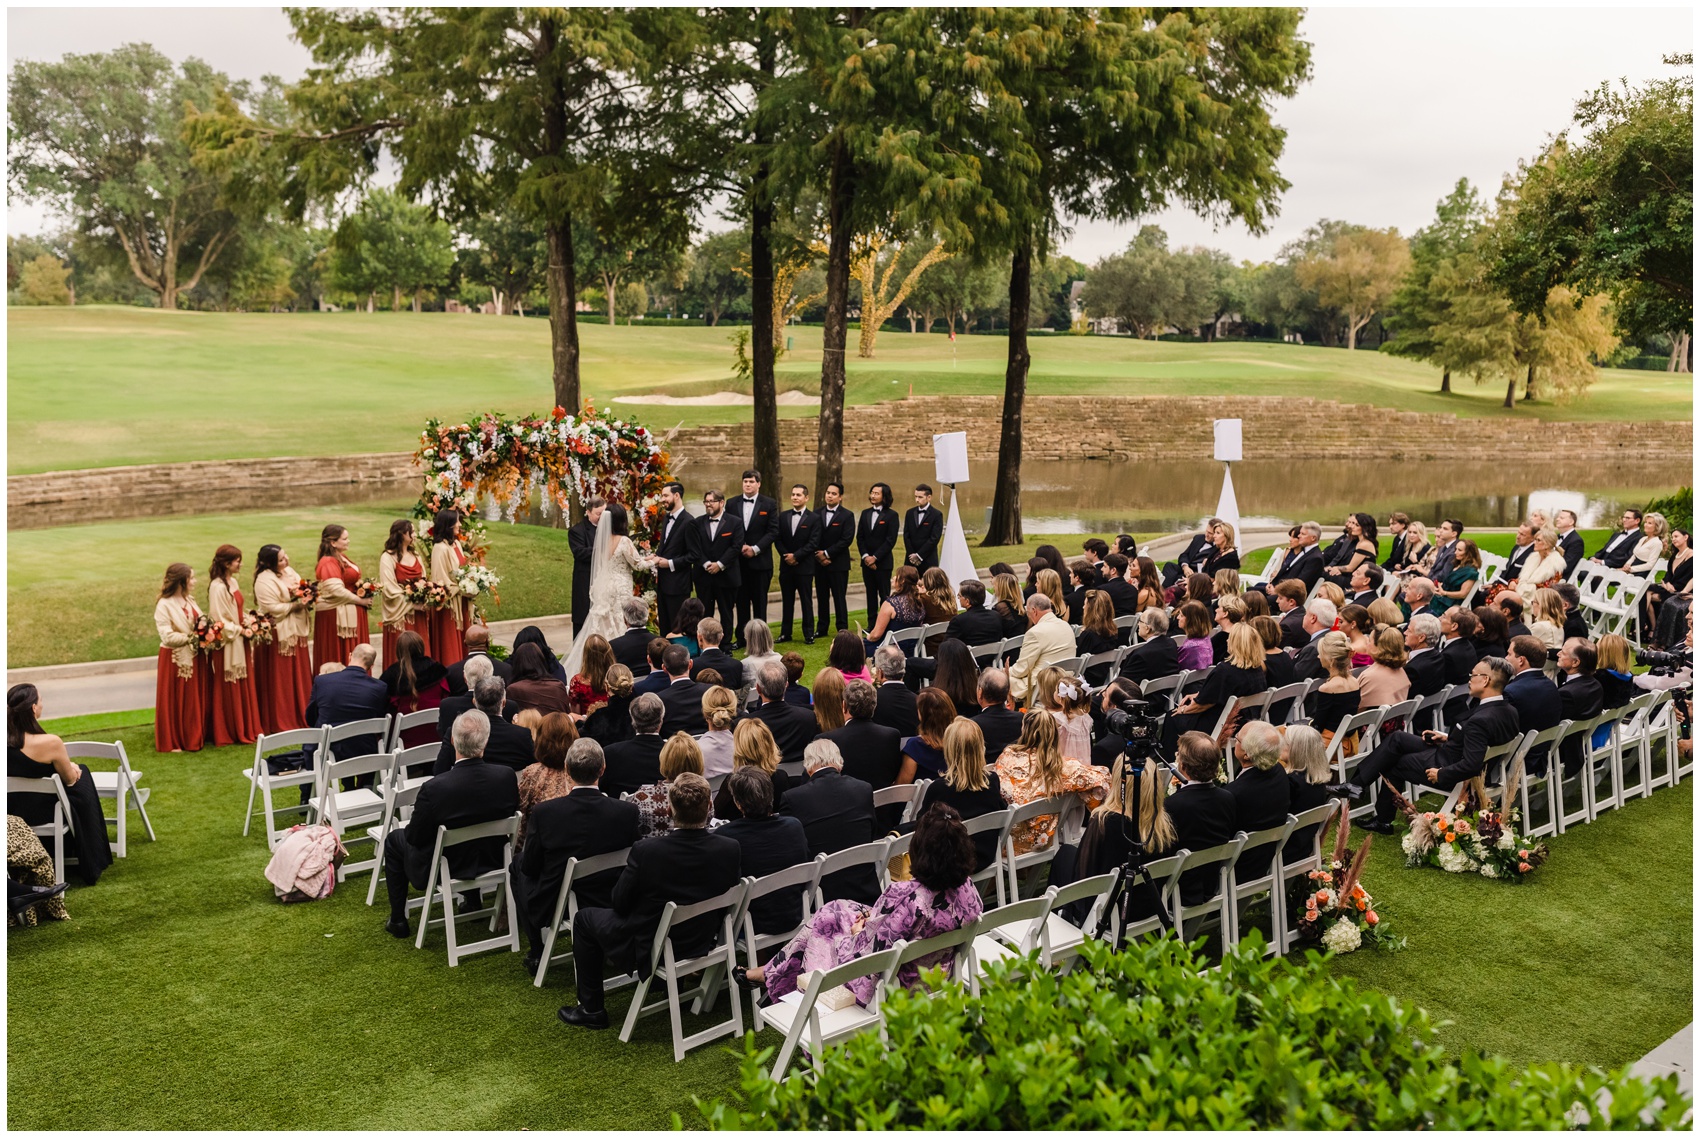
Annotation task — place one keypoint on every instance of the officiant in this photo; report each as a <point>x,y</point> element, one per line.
<point>581,536</point>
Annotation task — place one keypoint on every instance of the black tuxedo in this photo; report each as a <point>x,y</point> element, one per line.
<point>1514,562</point>
<point>1396,553</point>
<point>473,791</point>
<point>1458,656</point>
<point>509,746</point>
<point>1539,707</point>
<point>1305,664</point>
<point>832,580</point>
<point>1123,596</point>
<point>581,538</point>
<point>756,516</point>
<point>837,812</point>
<point>871,753</point>
<point>1293,634</point>
<point>1300,565</point>
<point>1570,545</point>
<point>682,703</point>
<point>1262,800</point>
<point>730,668</point>
<point>975,626</point>
<point>896,709</point>
<point>1427,673</point>
<point>1580,697</point>
<point>451,709</point>
<point>631,648</point>
<point>682,866</point>
<point>1403,756</point>
<point>922,528</point>
<point>876,537</point>
<point>718,592</point>
<point>1193,554</point>
<point>798,536</point>
<point>457,672</point>
<point>1151,660</point>
<point>793,728</point>
<point>1364,598</point>
<point>581,824</point>
<point>1000,727</point>
<point>769,845</point>
<point>1205,815</point>
<point>632,764</point>
<point>1614,554</point>
<point>677,543</point>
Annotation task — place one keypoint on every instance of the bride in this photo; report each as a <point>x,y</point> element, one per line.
<point>613,558</point>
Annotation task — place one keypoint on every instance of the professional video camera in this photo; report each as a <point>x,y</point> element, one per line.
<point>1140,725</point>
<point>1136,722</point>
<point>1663,663</point>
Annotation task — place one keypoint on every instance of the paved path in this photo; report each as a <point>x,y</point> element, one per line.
<point>1675,1054</point>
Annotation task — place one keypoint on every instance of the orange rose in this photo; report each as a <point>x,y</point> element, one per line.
<point>1451,837</point>
<point>1370,918</point>
<point>1322,897</point>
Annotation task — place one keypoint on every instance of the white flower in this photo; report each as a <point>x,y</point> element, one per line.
<point>1342,937</point>
<point>1507,839</point>
<point>1453,859</point>
<point>1410,844</point>
<point>1488,870</point>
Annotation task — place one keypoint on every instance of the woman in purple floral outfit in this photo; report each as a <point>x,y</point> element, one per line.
<point>940,899</point>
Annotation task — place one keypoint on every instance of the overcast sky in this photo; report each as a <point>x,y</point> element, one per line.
<point>1403,101</point>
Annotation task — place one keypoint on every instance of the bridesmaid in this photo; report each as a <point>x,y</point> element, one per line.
<point>283,669</point>
<point>233,708</point>
<point>341,620</point>
<point>179,724</point>
<point>448,624</point>
<point>397,567</point>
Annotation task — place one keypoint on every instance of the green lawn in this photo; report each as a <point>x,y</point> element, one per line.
<point>195,1000</point>
<point>107,386</point>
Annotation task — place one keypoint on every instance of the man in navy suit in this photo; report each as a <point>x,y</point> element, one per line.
<point>1535,697</point>
<point>922,530</point>
<point>720,541</point>
<point>347,697</point>
<point>755,511</point>
<point>832,559</point>
<point>796,542</point>
<point>1303,559</point>
<point>1446,538</point>
<point>876,537</point>
<point>657,678</point>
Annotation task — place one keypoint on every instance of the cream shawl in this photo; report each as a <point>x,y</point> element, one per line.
<point>175,618</point>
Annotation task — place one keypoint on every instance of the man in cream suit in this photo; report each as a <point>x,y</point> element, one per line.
<point>1048,640</point>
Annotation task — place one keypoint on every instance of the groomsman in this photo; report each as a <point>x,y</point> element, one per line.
<point>756,511</point>
<point>832,559</point>
<point>922,530</point>
<point>581,539</point>
<point>721,539</point>
<point>797,539</point>
<point>676,553</point>
<point>876,537</point>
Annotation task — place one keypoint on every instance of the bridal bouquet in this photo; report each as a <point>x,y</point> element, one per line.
<point>475,579</point>
<point>1340,915</point>
<point>210,635</point>
<point>1488,844</point>
<point>258,628</point>
<point>364,587</point>
<point>423,594</point>
<point>305,591</point>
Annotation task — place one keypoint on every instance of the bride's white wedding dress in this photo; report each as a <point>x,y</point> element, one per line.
<point>613,559</point>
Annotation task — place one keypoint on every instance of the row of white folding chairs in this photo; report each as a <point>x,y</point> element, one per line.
<point>122,786</point>
<point>57,830</point>
<point>1611,600</point>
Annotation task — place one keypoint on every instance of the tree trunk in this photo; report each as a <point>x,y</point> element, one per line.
<point>608,286</point>
<point>1005,526</point>
<point>371,303</point>
<point>1529,385</point>
<point>1678,353</point>
<point>910,312</point>
<point>563,315</point>
<point>416,306</point>
<point>1446,381</point>
<point>764,389</point>
<point>829,451</point>
<point>1510,392</point>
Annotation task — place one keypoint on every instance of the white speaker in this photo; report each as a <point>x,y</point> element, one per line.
<point>950,457</point>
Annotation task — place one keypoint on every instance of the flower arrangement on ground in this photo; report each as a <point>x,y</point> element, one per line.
<point>1485,841</point>
<point>210,635</point>
<point>1340,915</point>
<point>258,627</point>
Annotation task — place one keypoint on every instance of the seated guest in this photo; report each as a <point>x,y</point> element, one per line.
<point>709,635</point>
<point>1359,628</point>
<point>1569,541</point>
<point>679,755</point>
<point>1033,767</point>
<point>1096,549</point>
<point>1423,665</point>
<point>1010,606</point>
<point>1461,577</point>
<point>1065,699</point>
<point>1082,579</point>
<point>637,761</point>
<point>1613,668</point>
<point>1049,641</point>
<point>795,693</point>
<point>1534,696</point>
<point>1580,697</point>
<point>1107,745</point>
<point>1665,603</point>
<point>547,778</point>
<point>683,866</point>
<point>477,642</point>
<point>1320,617</point>
<point>849,655</point>
<point>939,899</point>
<point>682,697</point>
<point>1621,544</point>
<point>1262,792</point>
<point>1305,758</point>
<point>1290,597</point>
<point>1440,759</point>
<point>612,722</point>
<point>923,754</point>
<point>1196,651</point>
<point>1229,612</point>
<point>1098,633</point>
<point>1302,561</point>
<point>1192,557</point>
<point>685,623</point>
<point>1445,552</point>
<point>533,686</point>
<point>902,608</point>
<point>1105,846</point>
<point>1418,553</point>
<point>1360,533</point>
<point>1204,814</point>
<point>1148,582</point>
<point>656,679</point>
<point>1384,681</point>
<point>938,601</point>
<point>582,823</point>
<point>552,667</point>
<point>1124,597</point>
<point>829,700</point>
<point>1386,613</point>
<point>505,745</point>
<point>1545,567</point>
<point>975,624</point>
<point>1156,655</point>
<point>966,786</point>
<point>349,695</point>
<point>1522,548</point>
<point>758,651</point>
<point>1256,604</point>
<point>836,812</point>
<point>631,647</point>
<point>1226,583</point>
<point>999,724</point>
<point>1398,523</point>
<point>1511,605</point>
<point>472,791</point>
<point>719,712</point>
<point>475,668</point>
<point>871,752</point>
<point>34,753</point>
<point>792,727</point>
<point>1574,623</point>
<point>1222,554</point>
<point>752,746</point>
<point>1340,693</point>
<point>1277,665</point>
<point>1365,584</point>
<point>1242,673</point>
<point>1458,643</point>
<point>1417,597</point>
<point>1546,615</point>
<point>955,674</point>
<point>1654,545</point>
<point>415,683</point>
<point>896,702</point>
<point>1493,633</point>
<point>769,843</point>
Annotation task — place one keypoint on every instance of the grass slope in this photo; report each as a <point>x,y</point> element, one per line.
<point>197,1001</point>
<point>108,386</point>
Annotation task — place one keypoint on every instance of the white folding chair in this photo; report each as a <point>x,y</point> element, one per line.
<point>1434,704</point>
<point>908,793</point>
<point>1403,712</point>
<point>928,631</point>
<point>60,826</point>
<point>566,906</point>
<point>1010,648</point>
<point>1634,746</point>
<point>984,654</point>
<point>959,965</point>
<point>1253,707</point>
<point>1162,873</point>
<point>1603,765</point>
<point>798,1012</point>
<point>903,636</point>
<point>795,770</point>
<point>378,727</point>
<point>871,854</point>
<point>1129,621</point>
<point>1359,727</point>
<point>442,886</point>
<point>1059,939</point>
<point>896,846</point>
<point>398,807</point>
<point>1287,703</point>
<point>262,781</point>
<point>1495,762</point>
<point>1220,904</point>
<point>1539,786</point>
<point>424,755</point>
<point>1246,889</point>
<point>1101,659</point>
<point>123,786</point>
<point>1301,867</point>
<point>1563,816</point>
<point>1165,686</point>
<point>1663,734</point>
<point>1042,855</point>
<point>1073,665</point>
<point>997,822</point>
<point>803,877</point>
<point>402,722</point>
<point>1003,933</point>
<point>714,967</point>
<point>343,810</point>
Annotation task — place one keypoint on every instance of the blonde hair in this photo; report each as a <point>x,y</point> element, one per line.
<point>1045,692</point>
<point>1388,648</point>
<point>1334,652</point>
<point>1304,752</point>
<point>1008,590</point>
<point>965,755</point>
<point>618,681</point>
<point>719,707</point>
<point>1548,535</point>
<point>753,746</point>
<point>530,719</point>
<point>1228,529</point>
<point>1384,611</point>
<point>1661,530</point>
<point>1414,528</point>
<point>1612,653</point>
<point>680,755</point>
<point>1044,757</point>
<point>1231,607</point>
<point>828,692</point>
<point>1330,591</point>
<point>1245,647</point>
<point>1227,582</point>
<point>1547,605</point>
<point>1047,582</point>
<point>1154,824</point>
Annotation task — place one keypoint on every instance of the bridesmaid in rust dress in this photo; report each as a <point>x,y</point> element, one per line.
<point>233,707</point>
<point>398,567</point>
<point>448,624</point>
<point>179,721</point>
<point>341,620</point>
<point>283,669</point>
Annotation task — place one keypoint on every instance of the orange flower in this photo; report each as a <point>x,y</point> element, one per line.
<point>1524,854</point>
<point>1362,906</point>
<point>1524,867</point>
<point>1451,837</point>
<point>1311,915</point>
<point>1322,897</point>
<point>1370,918</point>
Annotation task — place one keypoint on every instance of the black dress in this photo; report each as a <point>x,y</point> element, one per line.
<point>87,841</point>
<point>1671,610</point>
<point>1104,847</point>
<point>611,723</point>
<point>1089,643</point>
<point>1280,668</point>
<point>1332,707</point>
<point>1223,681</point>
<point>1014,619</point>
<point>1219,560</point>
<point>1305,795</point>
<point>970,804</point>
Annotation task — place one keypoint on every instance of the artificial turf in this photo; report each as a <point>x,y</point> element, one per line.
<point>181,994</point>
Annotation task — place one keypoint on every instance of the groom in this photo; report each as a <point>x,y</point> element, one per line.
<point>675,556</point>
